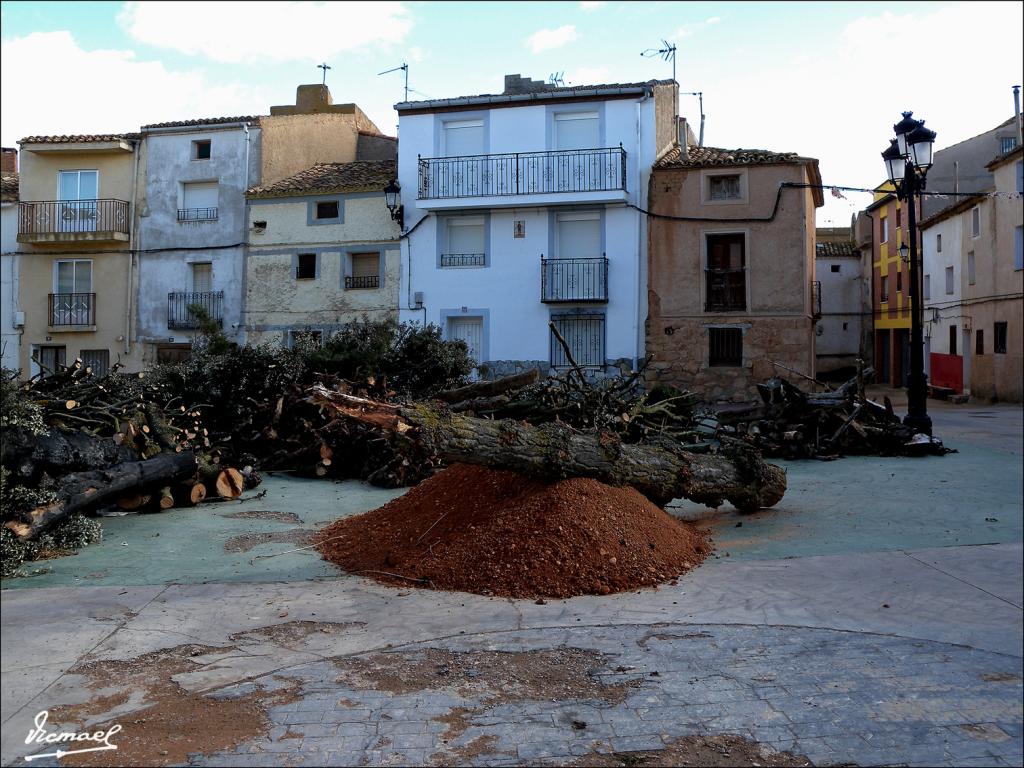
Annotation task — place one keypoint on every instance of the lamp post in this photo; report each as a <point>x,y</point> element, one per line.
<point>907,161</point>
<point>393,201</point>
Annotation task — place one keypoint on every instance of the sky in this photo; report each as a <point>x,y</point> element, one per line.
<point>823,79</point>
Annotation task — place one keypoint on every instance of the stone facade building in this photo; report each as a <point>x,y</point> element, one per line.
<point>731,269</point>
<point>845,299</point>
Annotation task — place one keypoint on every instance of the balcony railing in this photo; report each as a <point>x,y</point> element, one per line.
<point>726,290</point>
<point>88,218</point>
<point>72,309</point>
<point>356,283</point>
<point>463,259</point>
<point>573,280</point>
<point>197,214</point>
<point>523,173</point>
<point>180,303</point>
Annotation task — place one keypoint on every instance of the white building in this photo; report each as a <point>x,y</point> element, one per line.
<point>10,318</point>
<point>192,229</point>
<point>844,295</point>
<point>521,209</point>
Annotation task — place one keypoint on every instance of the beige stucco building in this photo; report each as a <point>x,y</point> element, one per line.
<point>75,234</point>
<point>731,269</point>
<point>323,252</point>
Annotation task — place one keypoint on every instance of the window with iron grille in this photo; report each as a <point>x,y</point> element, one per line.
<point>305,266</point>
<point>999,342</point>
<point>584,335</point>
<point>96,359</point>
<point>725,347</point>
<point>365,271</point>
<point>726,276</point>
<point>979,342</point>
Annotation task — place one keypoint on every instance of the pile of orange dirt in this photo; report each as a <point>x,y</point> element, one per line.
<point>489,531</point>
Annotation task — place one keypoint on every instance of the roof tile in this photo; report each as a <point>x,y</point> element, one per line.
<point>9,187</point>
<point>204,121</point>
<point>836,249</point>
<point>324,178</point>
<point>83,138</point>
<point>703,157</point>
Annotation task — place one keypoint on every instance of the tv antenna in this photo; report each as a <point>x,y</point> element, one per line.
<point>700,98</point>
<point>555,79</point>
<point>667,52</point>
<point>405,69</point>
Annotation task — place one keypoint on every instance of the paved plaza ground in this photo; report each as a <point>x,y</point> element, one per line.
<point>873,617</point>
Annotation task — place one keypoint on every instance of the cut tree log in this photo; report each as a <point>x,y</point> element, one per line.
<point>27,456</point>
<point>134,501</point>
<point>189,493</point>
<point>85,491</point>
<point>166,500</point>
<point>489,388</point>
<point>555,451</point>
<point>229,483</point>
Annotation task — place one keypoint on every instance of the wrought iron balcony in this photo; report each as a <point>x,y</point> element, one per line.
<point>73,220</point>
<point>356,283</point>
<point>523,173</point>
<point>573,280</point>
<point>72,309</point>
<point>726,290</point>
<point>180,303</point>
<point>197,214</point>
<point>463,259</point>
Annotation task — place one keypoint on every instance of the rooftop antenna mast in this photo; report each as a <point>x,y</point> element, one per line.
<point>555,79</point>
<point>667,52</point>
<point>700,98</point>
<point>324,67</point>
<point>405,69</point>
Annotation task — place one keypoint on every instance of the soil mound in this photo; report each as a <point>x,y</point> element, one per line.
<point>489,531</point>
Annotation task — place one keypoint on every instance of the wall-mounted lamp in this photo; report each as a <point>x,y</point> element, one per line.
<point>393,200</point>
<point>904,253</point>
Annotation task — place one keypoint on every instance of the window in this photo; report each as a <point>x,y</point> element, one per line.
<point>464,243</point>
<point>306,266</point>
<point>979,342</point>
<point>305,338</point>
<point>949,281</point>
<point>584,335</point>
<point>327,209</point>
<point>885,288</point>
<point>1020,175</point>
<point>50,359</point>
<point>970,267</point>
<point>899,217</point>
<point>938,243</point>
<point>463,137</point>
<point>96,359</point>
<point>724,187</point>
<point>198,201</point>
<point>846,326</point>
<point>1018,247</point>
<point>725,347</point>
<point>201,150</point>
<point>577,130</point>
<point>975,221</point>
<point>72,301</point>
<point>836,268</point>
<point>173,353</point>
<point>927,287</point>
<point>884,225</point>
<point>202,277</point>
<point>1007,144</point>
<point>469,329</point>
<point>999,342</point>
<point>365,271</point>
<point>726,273</point>
<point>899,282</point>
<point>953,333</point>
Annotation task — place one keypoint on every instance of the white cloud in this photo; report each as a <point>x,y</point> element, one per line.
<point>276,31</point>
<point>546,39</point>
<point>592,5</point>
<point>112,91</point>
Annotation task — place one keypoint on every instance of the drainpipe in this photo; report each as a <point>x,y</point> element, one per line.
<point>1016,113</point>
<point>133,244</point>
<point>641,287</point>
<point>241,330</point>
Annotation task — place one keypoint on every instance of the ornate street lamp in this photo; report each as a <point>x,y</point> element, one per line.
<point>392,199</point>
<point>907,160</point>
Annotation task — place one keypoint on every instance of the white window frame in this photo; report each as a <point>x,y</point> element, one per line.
<point>92,274</point>
<point>976,221</point>
<point>950,281</point>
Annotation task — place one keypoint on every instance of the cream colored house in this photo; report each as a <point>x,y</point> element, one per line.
<point>76,235</point>
<point>732,285</point>
<point>322,252</point>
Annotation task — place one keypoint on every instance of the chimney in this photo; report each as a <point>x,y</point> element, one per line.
<point>10,160</point>
<point>515,84</point>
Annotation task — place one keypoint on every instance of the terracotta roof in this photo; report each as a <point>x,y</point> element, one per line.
<point>9,187</point>
<point>964,204</point>
<point>1005,158</point>
<point>80,138</point>
<point>836,249</point>
<point>376,135</point>
<point>703,157</point>
<point>204,121</point>
<point>325,178</point>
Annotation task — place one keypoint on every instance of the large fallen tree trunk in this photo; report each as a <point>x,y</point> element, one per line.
<point>57,452</point>
<point>85,491</point>
<point>555,451</point>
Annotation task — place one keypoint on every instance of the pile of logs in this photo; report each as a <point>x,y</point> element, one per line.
<point>791,423</point>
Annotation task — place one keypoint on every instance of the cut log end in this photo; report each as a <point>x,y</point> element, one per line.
<point>229,483</point>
